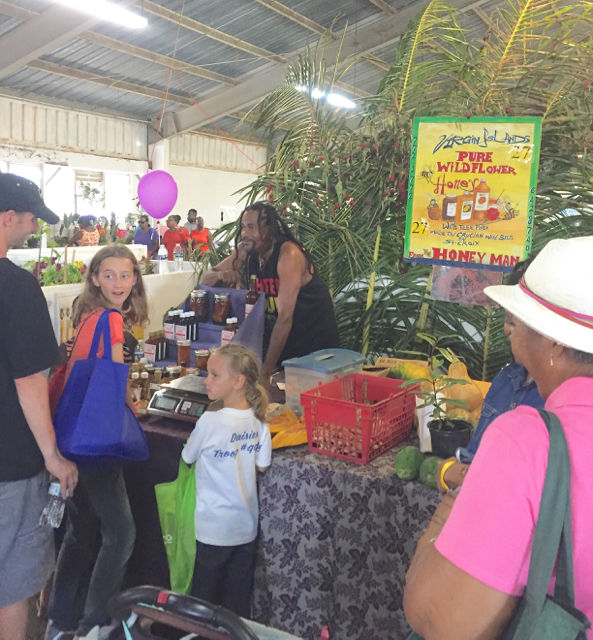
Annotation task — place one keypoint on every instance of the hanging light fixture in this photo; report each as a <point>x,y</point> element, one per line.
<point>107,11</point>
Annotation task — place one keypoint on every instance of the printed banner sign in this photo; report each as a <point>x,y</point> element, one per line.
<point>471,197</point>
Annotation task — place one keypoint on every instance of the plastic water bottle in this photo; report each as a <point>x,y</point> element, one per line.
<point>53,512</point>
<point>163,258</point>
<point>178,257</point>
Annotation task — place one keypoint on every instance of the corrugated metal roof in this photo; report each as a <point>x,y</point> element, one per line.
<point>27,81</point>
<point>84,55</point>
<point>7,24</point>
<point>247,20</point>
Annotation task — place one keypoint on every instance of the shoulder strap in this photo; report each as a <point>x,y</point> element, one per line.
<point>102,329</point>
<point>553,533</point>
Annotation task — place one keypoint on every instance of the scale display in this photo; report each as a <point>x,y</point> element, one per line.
<point>166,403</point>
<point>178,405</point>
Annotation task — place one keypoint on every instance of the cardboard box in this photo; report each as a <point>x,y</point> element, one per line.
<point>374,370</point>
<point>391,362</point>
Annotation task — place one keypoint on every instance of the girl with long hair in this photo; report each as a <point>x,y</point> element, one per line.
<point>101,532</point>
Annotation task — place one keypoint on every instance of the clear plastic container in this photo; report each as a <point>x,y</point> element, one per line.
<point>53,512</point>
<point>163,258</point>
<point>178,257</point>
<point>303,374</point>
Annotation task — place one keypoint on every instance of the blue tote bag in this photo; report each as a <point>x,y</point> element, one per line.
<point>93,424</point>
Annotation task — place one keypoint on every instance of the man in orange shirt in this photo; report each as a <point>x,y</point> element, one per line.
<point>175,235</point>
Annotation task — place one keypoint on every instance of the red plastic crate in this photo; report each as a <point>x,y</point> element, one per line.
<point>358,417</point>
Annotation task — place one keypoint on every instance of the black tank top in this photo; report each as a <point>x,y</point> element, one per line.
<point>314,325</point>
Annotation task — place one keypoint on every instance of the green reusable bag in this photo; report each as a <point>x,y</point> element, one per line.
<point>539,616</point>
<point>177,510</point>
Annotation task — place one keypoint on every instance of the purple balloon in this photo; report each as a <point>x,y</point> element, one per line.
<point>157,193</point>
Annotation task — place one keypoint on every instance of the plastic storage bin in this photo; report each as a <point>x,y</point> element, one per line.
<point>302,374</point>
<point>358,417</point>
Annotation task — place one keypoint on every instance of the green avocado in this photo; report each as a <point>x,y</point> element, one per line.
<point>408,462</point>
<point>428,471</point>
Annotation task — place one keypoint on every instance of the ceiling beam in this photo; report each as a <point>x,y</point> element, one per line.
<point>16,12</point>
<point>210,32</point>
<point>300,19</point>
<point>231,137</point>
<point>373,34</point>
<point>359,93</point>
<point>104,81</point>
<point>42,34</point>
<point>319,29</point>
<point>386,8</point>
<point>152,56</point>
<point>484,17</point>
<point>123,47</point>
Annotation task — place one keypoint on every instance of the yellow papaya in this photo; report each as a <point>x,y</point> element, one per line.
<point>468,393</point>
<point>408,371</point>
<point>294,435</point>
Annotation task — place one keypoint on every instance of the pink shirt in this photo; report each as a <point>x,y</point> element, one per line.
<point>490,530</point>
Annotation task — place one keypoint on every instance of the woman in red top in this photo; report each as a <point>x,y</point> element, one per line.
<point>99,510</point>
<point>201,237</point>
<point>175,235</point>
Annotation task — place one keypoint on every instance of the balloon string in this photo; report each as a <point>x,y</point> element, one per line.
<point>166,93</point>
<point>156,135</point>
<point>224,133</point>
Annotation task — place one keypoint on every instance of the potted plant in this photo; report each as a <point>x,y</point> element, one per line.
<point>447,430</point>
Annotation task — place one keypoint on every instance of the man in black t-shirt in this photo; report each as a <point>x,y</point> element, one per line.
<point>299,315</point>
<point>27,439</point>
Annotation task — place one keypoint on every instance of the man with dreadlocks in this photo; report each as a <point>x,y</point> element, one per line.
<point>299,316</point>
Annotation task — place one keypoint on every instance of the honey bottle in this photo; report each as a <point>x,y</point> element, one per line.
<point>252,296</point>
<point>465,206</point>
<point>481,200</point>
<point>449,207</point>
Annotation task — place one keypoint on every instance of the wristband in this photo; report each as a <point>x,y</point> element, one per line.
<point>443,470</point>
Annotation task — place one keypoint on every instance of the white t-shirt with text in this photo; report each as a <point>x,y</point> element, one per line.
<point>226,446</point>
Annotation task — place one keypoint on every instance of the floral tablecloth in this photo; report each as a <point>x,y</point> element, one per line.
<point>336,541</point>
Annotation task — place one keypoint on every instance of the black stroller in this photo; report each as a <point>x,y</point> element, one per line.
<point>150,613</point>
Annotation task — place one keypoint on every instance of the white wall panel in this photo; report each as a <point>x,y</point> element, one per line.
<point>210,191</point>
<point>210,152</point>
<point>47,127</point>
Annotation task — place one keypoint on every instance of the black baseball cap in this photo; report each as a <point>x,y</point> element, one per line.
<point>22,195</point>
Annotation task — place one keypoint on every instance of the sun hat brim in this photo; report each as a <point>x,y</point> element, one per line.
<point>540,318</point>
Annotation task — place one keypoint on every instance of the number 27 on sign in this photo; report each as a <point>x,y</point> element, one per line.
<point>420,227</point>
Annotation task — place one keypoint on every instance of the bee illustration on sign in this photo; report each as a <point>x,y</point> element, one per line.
<point>427,173</point>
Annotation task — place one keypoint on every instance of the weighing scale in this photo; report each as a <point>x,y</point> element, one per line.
<point>183,399</point>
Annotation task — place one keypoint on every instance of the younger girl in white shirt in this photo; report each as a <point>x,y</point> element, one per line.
<point>228,445</point>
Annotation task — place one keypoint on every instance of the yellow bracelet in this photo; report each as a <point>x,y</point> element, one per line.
<point>443,470</point>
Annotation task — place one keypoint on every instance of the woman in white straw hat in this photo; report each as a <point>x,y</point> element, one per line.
<point>471,564</point>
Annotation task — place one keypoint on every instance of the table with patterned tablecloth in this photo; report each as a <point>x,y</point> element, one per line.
<point>336,541</point>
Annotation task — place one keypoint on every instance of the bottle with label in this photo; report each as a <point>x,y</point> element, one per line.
<point>465,206</point>
<point>53,512</point>
<point>163,258</point>
<point>228,333</point>
<point>178,257</point>
<point>181,327</point>
<point>135,387</point>
<point>170,324</point>
<point>481,200</point>
<point>252,296</point>
<point>150,347</point>
<point>449,208</point>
